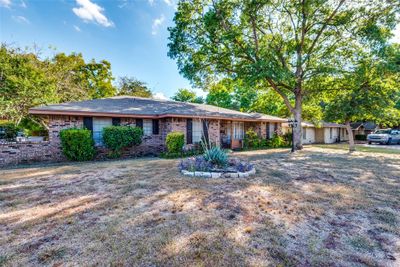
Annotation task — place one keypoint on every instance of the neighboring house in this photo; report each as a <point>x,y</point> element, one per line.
<point>223,127</point>
<point>363,128</point>
<point>325,133</point>
<point>308,131</point>
<point>329,133</point>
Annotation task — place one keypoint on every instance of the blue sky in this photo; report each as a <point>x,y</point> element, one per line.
<point>131,34</point>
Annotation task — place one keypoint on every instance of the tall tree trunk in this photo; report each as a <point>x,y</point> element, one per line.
<point>297,131</point>
<point>352,146</point>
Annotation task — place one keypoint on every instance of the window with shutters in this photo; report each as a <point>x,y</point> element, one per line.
<point>330,133</point>
<point>197,131</point>
<point>147,127</point>
<point>304,133</point>
<point>98,125</point>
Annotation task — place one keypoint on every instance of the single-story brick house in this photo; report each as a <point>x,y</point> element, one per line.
<point>223,127</point>
<point>325,133</point>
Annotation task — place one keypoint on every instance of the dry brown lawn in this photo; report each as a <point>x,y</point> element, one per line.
<point>315,208</point>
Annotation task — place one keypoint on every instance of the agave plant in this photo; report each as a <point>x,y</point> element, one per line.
<point>216,156</point>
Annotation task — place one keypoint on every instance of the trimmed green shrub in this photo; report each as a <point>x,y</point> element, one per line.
<point>216,156</point>
<point>118,137</point>
<point>251,139</point>
<point>8,130</point>
<point>175,142</point>
<point>360,137</point>
<point>77,144</point>
<point>263,143</point>
<point>277,141</point>
<point>288,137</point>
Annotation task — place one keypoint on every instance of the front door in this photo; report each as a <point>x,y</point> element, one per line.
<point>226,135</point>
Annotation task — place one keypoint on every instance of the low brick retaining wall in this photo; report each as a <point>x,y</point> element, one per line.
<point>12,154</point>
<point>22,153</point>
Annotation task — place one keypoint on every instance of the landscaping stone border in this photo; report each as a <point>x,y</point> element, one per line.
<point>219,174</point>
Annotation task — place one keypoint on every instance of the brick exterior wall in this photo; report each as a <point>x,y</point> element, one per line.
<point>151,145</point>
<point>23,153</point>
<point>263,130</point>
<point>214,133</point>
<point>50,151</point>
<point>55,125</point>
<point>179,125</point>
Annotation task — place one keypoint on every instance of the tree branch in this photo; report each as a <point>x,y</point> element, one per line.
<point>293,24</point>
<point>253,23</point>
<point>324,26</point>
<point>282,94</point>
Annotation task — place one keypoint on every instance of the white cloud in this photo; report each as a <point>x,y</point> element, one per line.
<point>160,95</point>
<point>21,19</point>
<point>91,12</point>
<point>23,4</point>
<point>156,24</point>
<point>77,28</point>
<point>169,2</point>
<point>5,3</point>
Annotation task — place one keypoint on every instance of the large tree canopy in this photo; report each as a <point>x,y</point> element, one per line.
<point>133,87</point>
<point>27,81</point>
<point>233,94</point>
<point>23,84</point>
<point>369,93</point>
<point>186,95</point>
<point>283,43</point>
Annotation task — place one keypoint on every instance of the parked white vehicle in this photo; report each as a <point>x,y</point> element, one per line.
<point>384,136</point>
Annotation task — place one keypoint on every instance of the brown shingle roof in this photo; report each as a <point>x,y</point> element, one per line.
<point>131,106</point>
<point>333,125</point>
<point>322,124</point>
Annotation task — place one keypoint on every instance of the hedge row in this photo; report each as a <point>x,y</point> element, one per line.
<point>78,145</point>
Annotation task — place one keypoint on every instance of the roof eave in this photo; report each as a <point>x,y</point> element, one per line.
<point>36,111</point>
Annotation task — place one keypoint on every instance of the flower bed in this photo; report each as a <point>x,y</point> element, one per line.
<point>199,166</point>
